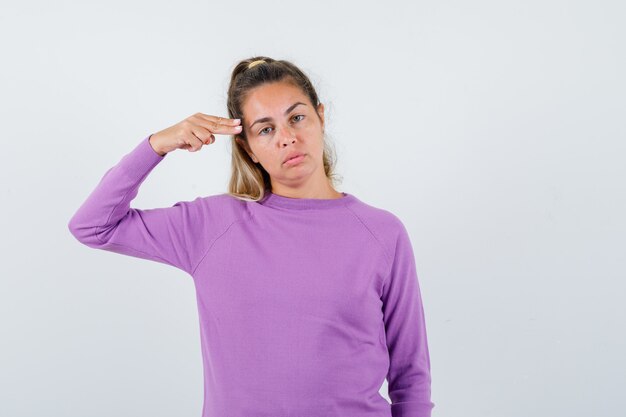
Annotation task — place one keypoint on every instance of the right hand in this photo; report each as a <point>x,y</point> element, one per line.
<point>193,133</point>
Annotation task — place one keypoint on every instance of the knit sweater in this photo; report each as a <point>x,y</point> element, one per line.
<point>305,305</point>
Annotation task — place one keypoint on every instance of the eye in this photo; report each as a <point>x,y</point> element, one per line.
<point>264,129</point>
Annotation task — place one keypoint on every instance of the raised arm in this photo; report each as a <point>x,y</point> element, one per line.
<point>177,235</point>
<point>409,377</point>
<point>106,221</point>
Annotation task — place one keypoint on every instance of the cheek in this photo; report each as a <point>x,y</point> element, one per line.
<point>269,154</point>
<point>261,147</point>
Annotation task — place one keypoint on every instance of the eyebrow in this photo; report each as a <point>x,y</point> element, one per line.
<point>267,119</point>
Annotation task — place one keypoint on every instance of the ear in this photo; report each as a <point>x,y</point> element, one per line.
<point>244,145</point>
<point>320,111</point>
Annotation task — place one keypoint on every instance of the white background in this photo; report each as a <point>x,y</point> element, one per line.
<point>494,129</point>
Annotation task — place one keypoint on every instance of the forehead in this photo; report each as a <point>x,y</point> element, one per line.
<point>272,98</point>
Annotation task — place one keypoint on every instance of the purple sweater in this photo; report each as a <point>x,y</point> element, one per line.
<point>305,305</point>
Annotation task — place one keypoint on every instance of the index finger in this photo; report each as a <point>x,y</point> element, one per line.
<point>221,125</point>
<point>220,120</point>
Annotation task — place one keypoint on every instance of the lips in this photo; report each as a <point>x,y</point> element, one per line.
<point>293,155</point>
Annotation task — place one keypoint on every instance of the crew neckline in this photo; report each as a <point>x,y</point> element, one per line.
<point>275,200</point>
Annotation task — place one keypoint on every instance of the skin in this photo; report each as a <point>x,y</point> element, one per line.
<point>300,130</point>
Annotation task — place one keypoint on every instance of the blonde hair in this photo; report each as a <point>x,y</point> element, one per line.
<point>249,180</point>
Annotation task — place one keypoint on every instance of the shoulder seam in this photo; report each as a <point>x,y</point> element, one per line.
<point>206,252</point>
<point>387,257</point>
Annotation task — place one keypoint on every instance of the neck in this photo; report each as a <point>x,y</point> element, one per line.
<point>325,191</point>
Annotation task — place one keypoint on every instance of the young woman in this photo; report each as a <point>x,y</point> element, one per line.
<point>308,297</point>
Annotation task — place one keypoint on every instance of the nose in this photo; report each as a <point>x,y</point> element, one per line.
<point>287,135</point>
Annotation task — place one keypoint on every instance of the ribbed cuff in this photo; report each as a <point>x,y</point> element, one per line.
<point>142,159</point>
<point>411,409</point>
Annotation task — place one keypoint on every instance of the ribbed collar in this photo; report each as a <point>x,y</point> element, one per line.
<point>275,200</point>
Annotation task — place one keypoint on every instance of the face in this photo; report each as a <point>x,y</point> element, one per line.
<point>279,120</point>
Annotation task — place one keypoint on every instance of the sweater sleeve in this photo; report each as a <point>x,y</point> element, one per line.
<point>409,376</point>
<point>106,221</point>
